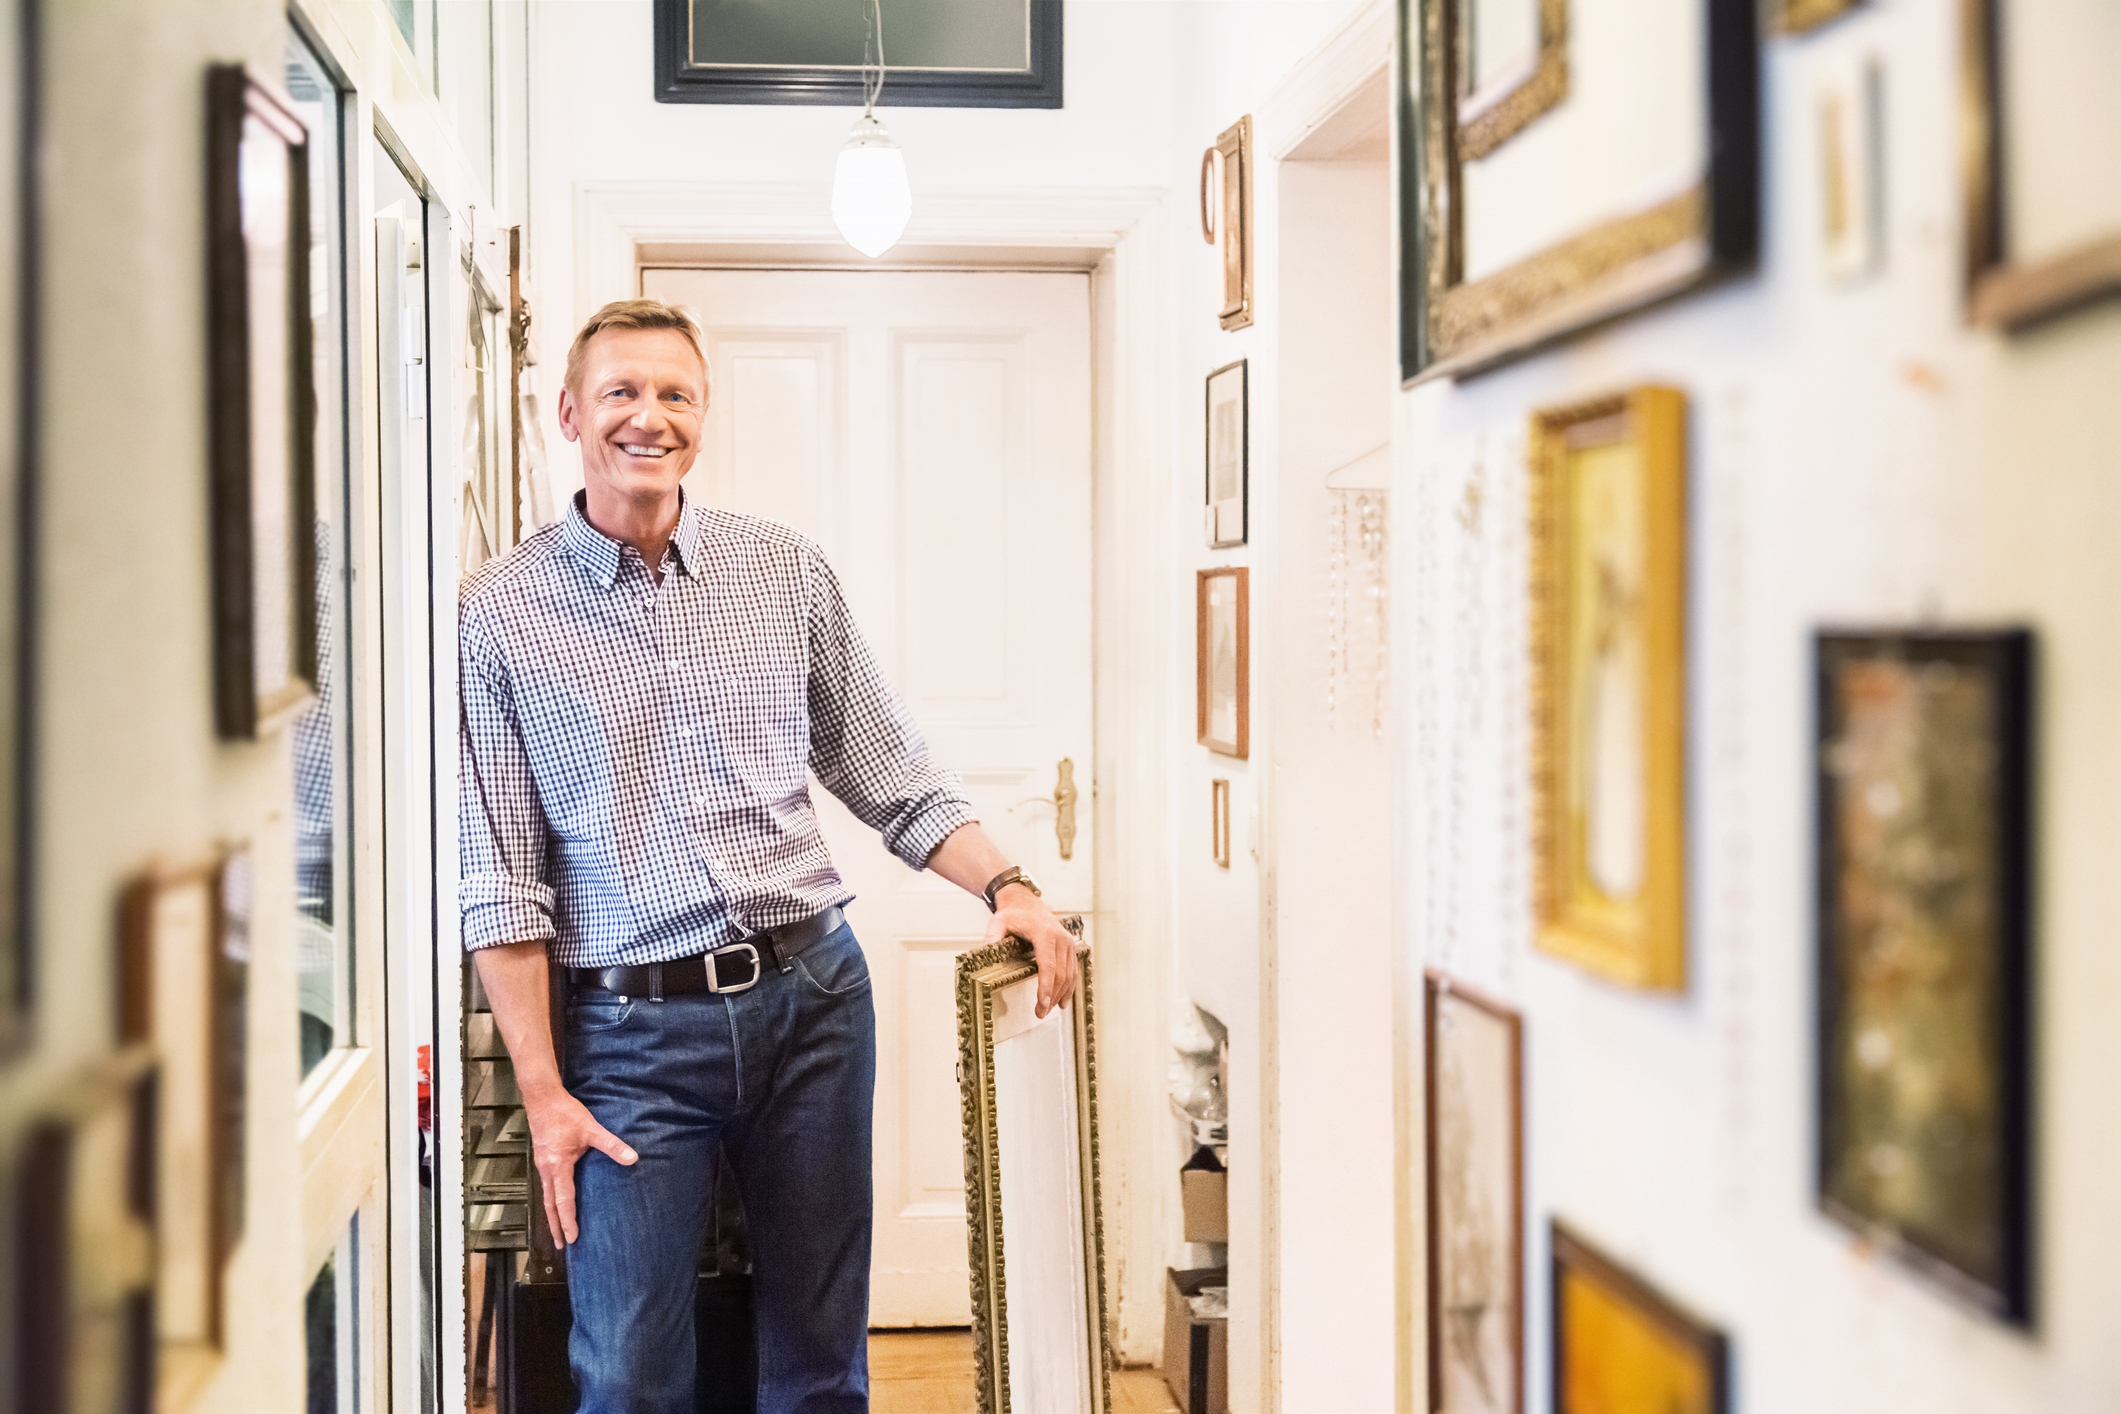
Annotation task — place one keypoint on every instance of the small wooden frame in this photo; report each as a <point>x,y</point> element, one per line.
<point>1619,1343</point>
<point>1223,660</point>
<point>1475,1138</point>
<point>1925,935</point>
<point>1028,1089</point>
<point>1608,510</point>
<point>1219,821</point>
<point>1228,485</point>
<point>263,406</point>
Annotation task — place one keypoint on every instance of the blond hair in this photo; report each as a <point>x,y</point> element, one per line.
<point>634,314</point>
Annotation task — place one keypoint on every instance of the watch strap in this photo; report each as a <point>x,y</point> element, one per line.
<point>1011,875</point>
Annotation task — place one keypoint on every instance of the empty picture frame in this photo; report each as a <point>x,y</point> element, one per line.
<point>1619,1344</point>
<point>1226,219</point>
<point>1608,636</point>
<point>1227,488</point>
<point>1034,1230</point>
<point>2016,278</point>
<point>1475,1082</point>
<point>1223,660</point>
<point>1638,182</point>
<point>262,414</point>
<point>1925,870</point>
<point>1848,111</point>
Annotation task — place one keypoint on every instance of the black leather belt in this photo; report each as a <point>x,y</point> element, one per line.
<point>733,967</point>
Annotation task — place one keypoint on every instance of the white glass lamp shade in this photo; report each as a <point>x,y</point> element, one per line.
<point>871,202</point>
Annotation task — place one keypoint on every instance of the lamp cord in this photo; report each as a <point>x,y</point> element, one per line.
<point>872,34</point>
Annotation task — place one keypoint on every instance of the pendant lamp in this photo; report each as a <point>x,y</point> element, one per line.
<point>871,201</point>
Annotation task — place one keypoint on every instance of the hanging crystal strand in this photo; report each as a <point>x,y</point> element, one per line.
<point>1371,510</point>
<point>1336,605</point>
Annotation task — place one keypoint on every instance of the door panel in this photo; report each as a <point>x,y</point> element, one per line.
<point>932,433</point>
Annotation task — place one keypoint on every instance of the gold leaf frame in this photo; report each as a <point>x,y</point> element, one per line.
<point>1505,116</point>
<point>981,973</point>
<point>1642,943</point>
<point>1450,327</point>
<point>1799,16</point>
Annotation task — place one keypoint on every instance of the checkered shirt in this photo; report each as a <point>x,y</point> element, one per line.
<point>636,757</point>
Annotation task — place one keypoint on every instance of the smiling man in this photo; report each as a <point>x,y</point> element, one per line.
<point>648,687</point>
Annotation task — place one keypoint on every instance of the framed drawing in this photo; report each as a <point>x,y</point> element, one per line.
<point>84,1247</point>
<point>1475,1071</point>
<point>1034,1225</point>
<point>1798,16</point>
<point>263,406</point>
<point>943,54</point>
<point>1608,512</point>
<point>1848,110</point>
<point>1229,475</point>
<point>1223,660</point>
<point>21,105</point>
<point>1226,219</point>
<point>1620,1345</point>
<point>1925,877</point>
<point>2060,271</point>
<point>1616,163</point>
<point>182,997</point>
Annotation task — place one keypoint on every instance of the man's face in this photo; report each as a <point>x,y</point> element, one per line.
<point>637,411</point>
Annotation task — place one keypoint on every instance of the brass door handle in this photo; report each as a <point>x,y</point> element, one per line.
<point>1064,794</point>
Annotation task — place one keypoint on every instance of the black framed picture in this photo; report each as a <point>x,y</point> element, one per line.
<point>20,106</point>
<point>1925,868</point>
<point>262,415</point>
<point>1228,485</point>
<point>1562,165</point>
<point>940,53</point>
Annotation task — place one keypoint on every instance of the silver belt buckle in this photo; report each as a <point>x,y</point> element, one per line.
<point>714,981</point>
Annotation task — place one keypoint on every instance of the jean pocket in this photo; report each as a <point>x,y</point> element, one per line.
<point>599,1015</point>
<point>836,966</point>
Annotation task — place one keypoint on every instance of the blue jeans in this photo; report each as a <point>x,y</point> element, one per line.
<point>784,1076</point>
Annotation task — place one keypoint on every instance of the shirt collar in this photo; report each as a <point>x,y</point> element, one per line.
<point>600,554</point>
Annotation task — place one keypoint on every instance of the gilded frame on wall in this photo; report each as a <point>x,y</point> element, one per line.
<point>1489,115</point>
<point>1619,1343</point>
<point>1800,16</point>
<point>1226,219</point>
<point>1475,1139</point>
<point>1925,1014</point>
<point>1608,640</point>
<point>1052,1065</point>
<point>2002,293</point>
<point>1222,660</point>
<point>1604,266</point>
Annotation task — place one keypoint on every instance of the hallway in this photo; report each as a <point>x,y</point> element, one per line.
<point>1523,589</point>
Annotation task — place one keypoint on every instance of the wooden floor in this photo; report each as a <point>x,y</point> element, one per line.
<point>930,1372</point>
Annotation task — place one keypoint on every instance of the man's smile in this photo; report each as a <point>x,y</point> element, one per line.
<point>639,449</point>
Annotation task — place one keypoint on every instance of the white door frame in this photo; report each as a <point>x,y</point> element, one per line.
<point>1118,234</point>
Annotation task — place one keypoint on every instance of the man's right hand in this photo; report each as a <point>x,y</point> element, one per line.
<point>562,1130</point>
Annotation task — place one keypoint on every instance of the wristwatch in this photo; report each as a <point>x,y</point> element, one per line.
<point>1011,875</point>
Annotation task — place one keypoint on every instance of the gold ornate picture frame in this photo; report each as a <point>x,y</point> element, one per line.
<point>1490,113</point>
<point>1608,637</point>
<point>1531,245</point>
<point>1801,16</point>
<point>1033,1206</point>
<point>1226,219</point>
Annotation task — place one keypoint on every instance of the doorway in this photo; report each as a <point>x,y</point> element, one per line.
<point>932,432</point>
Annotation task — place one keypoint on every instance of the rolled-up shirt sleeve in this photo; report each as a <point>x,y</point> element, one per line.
<point>503,893</point>
<point>864,745</point>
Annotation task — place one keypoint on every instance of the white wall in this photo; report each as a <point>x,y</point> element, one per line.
<point>1857,456</point>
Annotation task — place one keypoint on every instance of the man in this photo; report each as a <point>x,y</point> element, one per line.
<point>647,686</point>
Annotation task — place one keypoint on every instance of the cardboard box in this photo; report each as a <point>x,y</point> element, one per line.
<point>1204,1197</point>
<point>1196,1352</point>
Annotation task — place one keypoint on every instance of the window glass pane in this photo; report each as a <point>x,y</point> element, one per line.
<point>320,1326</point>
<point>401,12</point>
<point>320,735</point>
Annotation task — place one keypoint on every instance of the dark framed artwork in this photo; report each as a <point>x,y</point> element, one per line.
<point>1617,165</point>
<point>84,1247</point>
<point>1925,869</point>
<point>2004,289</point>
<point>1228,484</point>
<point>940,53</point>
<point>20,109</point>
<point>1620,1344</point>
<point>263,407</point>
<point>1475,1136</point>
<point>1223,660</point>
<point>1226,219</point>
<point>1608,635</point>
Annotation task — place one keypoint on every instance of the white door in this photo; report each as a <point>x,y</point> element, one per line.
<point>932,433</point>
